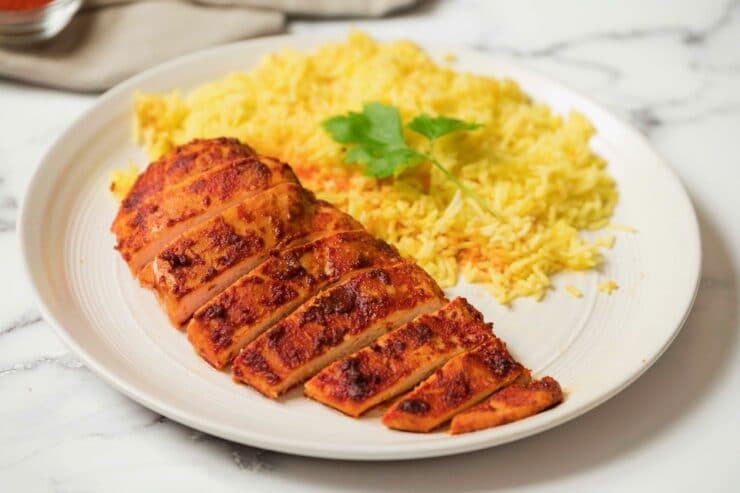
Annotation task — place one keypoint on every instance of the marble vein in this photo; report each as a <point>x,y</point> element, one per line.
<point>28,318</point>
<point>245,458</point>
<point>66,361</point>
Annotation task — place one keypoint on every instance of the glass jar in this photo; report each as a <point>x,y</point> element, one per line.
<point>23,27</point>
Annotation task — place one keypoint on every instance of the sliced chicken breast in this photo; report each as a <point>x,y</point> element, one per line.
<point>335,323</point>
<point>275,288</point>
<point>147,228</point>
<point>182,162</point>
<point>512,403</point>
<point>463,382</point>
<point>400,359</point>
<point>205,260</point>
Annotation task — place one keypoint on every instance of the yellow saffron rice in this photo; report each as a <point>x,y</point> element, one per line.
<point>606,241</point>
<point>622,227</point>
<point>608,286</point>
<point>121,180</point>
<point>574,291</point>
<point>534,168</point>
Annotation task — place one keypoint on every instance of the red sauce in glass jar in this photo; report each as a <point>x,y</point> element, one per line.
<point>22,4</point>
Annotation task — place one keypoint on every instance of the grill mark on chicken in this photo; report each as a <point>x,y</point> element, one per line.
<point>336,322</point>
<point>400,359</point>
<point>512,403</point>
<point>213,311</point>
<point>414,406</point>
<point>462,382</point>
<point>277,286</point>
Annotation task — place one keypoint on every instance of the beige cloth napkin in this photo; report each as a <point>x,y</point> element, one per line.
<point>110,40</point>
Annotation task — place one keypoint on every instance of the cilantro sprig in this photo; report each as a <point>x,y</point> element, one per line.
<point>376,139</point>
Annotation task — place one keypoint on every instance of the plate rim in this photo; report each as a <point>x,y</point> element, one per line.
<point>301,447</point>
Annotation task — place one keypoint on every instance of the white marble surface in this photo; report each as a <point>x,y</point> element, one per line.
<point>670,67</point>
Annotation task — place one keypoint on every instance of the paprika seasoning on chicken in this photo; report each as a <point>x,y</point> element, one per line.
<point>22,4</point>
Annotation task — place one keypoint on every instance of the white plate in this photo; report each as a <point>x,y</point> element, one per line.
<point>595,346</point>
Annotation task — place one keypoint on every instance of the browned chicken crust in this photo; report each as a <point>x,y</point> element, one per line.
<point>464,381</point>
<point>147,228</point>
<point>190,159</point>
<point>296,285</point>
<point>206,259</point>
<point>512,403</point>
<point>335,323</point>
<point>219,329</point>
<point>400,359</point>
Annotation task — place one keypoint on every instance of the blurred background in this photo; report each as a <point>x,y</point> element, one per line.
<point>671,68</point>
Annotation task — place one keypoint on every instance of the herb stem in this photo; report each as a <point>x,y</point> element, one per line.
<point>454,179</point>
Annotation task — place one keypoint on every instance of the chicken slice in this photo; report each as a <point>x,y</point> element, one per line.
<point>464,381</point>
<point>219,329</point>
<point>400,359</point>
<point>205,260</point>
<point>335,323</point>
<point>189,159</point>
<point>147,228</point>
<point>512,403</point>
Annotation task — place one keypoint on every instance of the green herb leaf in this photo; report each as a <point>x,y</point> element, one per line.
<point>435,127</point>
<point>384,125</point>
<point>378,138</point>
<point>343,129</point>
<point>385,164</point>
